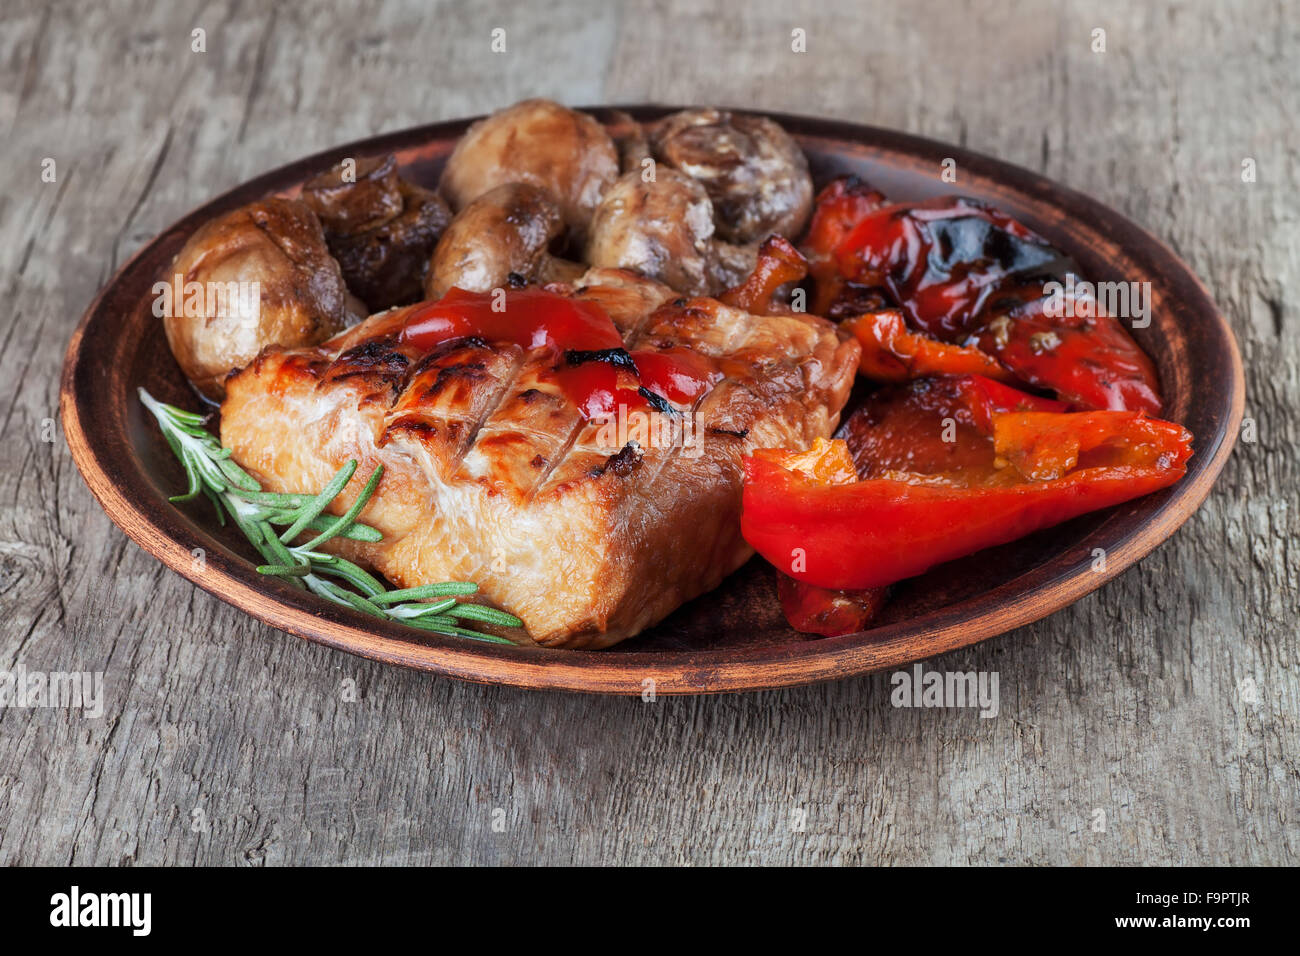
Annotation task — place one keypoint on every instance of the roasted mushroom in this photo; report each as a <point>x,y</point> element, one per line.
<point>663,229</point>
<point>380,228</point>
<point>631,140</point>
<point>539,142</point>
<point>355,195</point>
<point>754,172</point>
<point>502,237</point>
<point>260,275</point>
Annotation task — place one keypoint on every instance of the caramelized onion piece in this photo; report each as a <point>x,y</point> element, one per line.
<point>779,263</point>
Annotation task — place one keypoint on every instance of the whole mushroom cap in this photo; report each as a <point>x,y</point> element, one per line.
<point>504,232</point>
<point>264,276</point>
<point>660,228</point>
<point>756,175</point>
<point>539,142</point>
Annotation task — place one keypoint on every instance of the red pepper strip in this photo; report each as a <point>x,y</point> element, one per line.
<point>941,260</point>
<point>1046,447</point>
<point>778,263</point>
<point>826,463</point>
<point>893,353</point>
<point>852,300</point>
<point>814,610</point>
<point>880,530</point>
<point>985,398</point>
<point>1089,360</point>
<point>933,425</point>
<point>839,208</point>
<point>951,262</point>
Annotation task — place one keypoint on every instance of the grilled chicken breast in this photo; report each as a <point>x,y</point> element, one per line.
<point>493,475</point>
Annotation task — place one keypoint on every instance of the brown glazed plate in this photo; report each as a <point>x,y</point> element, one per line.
<point>734,638</point>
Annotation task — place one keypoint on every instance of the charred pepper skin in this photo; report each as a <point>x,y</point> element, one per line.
<point>941,260</point>
<point>1023,466</point>
<point>954,286</point>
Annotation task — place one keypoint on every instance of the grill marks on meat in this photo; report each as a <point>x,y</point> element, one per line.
<point>492,474</point>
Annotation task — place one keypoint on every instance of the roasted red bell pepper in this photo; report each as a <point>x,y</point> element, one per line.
<point>891,352</point>
<point>827,612</point>
<point>778,263</point>
<point>966,274</point>
<point>1068,346</point>
<point>840,207</point>
<point>823,611</point>
<point>942,259</point>
<point>1016,465</point>
<point>934,425</point>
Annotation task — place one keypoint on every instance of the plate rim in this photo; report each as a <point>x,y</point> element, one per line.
<point>157,526</point>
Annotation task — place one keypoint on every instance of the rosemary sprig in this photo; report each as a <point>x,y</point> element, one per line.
<point>211,471</point>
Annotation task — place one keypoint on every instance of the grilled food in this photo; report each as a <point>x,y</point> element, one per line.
<point>541,143</point>
<point>756,175</point>
<point>380,227</point>
<point>502,465</point>
<point>663,228</point>
<point>257,276</point>
<point>501,238</point>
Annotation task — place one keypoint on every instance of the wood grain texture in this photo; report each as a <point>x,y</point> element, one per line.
<point>1168,699</point>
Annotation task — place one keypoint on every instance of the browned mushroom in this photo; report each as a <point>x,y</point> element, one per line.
<point>503,237</point>
<point>631,140</point>
<point>756,175</point>
<point>539,142</point>
<point>260,275</point>
<point>663,229</point>
<point>355,195</point>
<point>380,228</point>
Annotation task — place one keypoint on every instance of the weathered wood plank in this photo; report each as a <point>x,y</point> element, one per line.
<point>1129,702</point>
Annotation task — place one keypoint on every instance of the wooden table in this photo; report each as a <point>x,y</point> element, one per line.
<point>1153,722</point>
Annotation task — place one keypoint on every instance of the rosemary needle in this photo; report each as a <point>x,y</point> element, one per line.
<point>210,471</point>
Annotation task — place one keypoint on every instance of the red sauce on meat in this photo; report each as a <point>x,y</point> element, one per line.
<point>592,367</point>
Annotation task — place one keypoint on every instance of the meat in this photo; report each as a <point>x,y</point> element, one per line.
<point>492,474</point>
